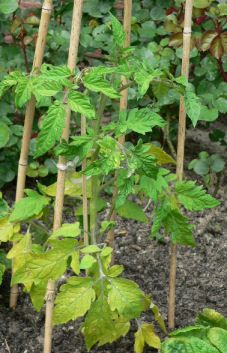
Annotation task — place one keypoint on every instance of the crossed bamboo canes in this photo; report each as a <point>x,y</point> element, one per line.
<point>180,154</point>
<point>62,166</point>
<point>29,117</point>
<point>123,106</point>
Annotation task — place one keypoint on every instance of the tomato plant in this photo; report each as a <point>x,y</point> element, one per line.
<point>95,290</point>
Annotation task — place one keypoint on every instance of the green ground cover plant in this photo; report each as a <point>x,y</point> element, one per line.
<point>209,334</point>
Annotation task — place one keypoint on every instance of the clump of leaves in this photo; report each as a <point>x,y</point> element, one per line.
<point>209,167</point>
<point>208,335</point>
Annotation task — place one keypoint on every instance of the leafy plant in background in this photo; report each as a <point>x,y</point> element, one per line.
<point>209,334</point>
<point>151,29</point>
<point>209,167</point>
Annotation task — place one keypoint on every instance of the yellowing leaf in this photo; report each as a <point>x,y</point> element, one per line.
<point>21,248</point>
<point>139,342</point>
<point>75,262</point>
<point>73,186</point>
<point>126,297</point>
<point>6,230</point>
<point>101,325</point>
<point>115,270</point>
<point>74,299</point>
<point>149,336</point>
<point>161,156</point>
<point>42,267</point>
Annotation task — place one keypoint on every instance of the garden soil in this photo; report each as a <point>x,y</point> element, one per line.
<point>201,278</point>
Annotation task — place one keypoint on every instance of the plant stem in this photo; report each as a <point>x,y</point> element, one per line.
<point>93,207</point>
<point>28,121</point>
<point>24,49</point>
<point>58,210</point>
<point>180,155</point>
<point>123,106</point>
<point>168,139</point>
<point>84,188</point>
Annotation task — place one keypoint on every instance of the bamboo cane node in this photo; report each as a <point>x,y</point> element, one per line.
<point>22,164</point>
<point>47,9</point>
<point>187,31</point>
<point>50,295</point>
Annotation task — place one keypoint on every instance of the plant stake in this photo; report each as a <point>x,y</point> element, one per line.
<point>62,166</point>
<point>180,155</point>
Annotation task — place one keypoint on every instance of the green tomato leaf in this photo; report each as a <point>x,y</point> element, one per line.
<point>194,197</point>
<point>131,210</point>
<point>180,229</point>
<point>80,103</point>
<point>37,294</point>
<point>52,128</point>
<point>193,107</point>
<point>143,120</point>
<point>118,31</point>
<point>98,84</point>
<point>68,230</point>
<point>23,91</point>
<point>74,299</point>
<point>144,78</point>
<point>28,207</point>
<point>87,262</point>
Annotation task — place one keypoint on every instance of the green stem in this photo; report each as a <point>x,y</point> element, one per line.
<point>93,207</point>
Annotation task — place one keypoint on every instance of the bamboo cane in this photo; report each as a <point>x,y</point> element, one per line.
<point>62,165</point>
<point>123,105</point>
<point>84,188</point>
<point>29,117</point>
<point>180,155</point>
